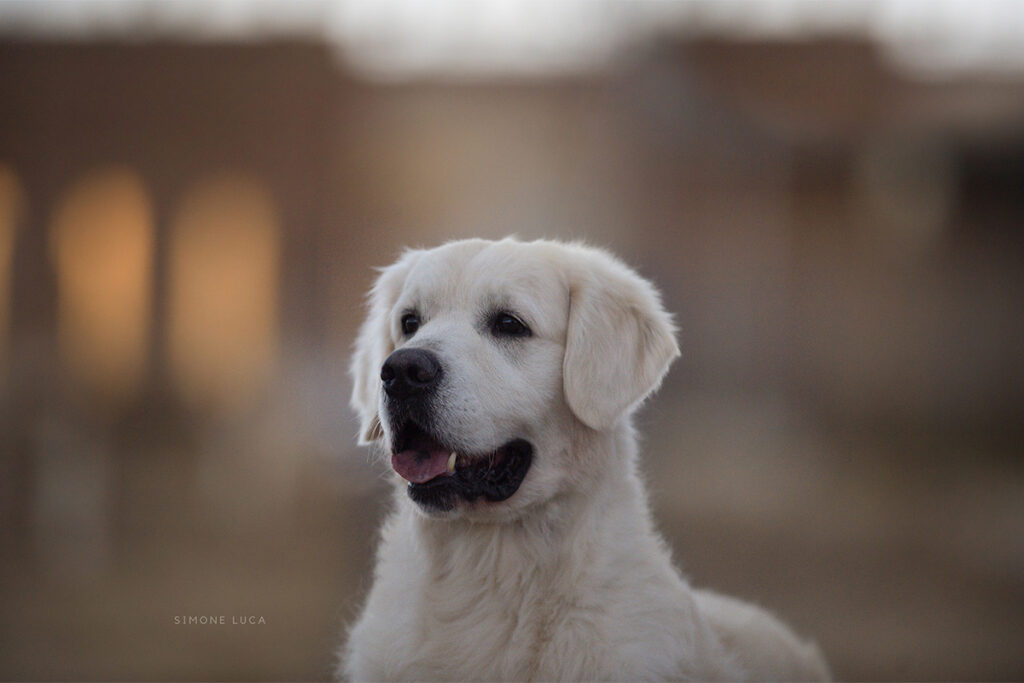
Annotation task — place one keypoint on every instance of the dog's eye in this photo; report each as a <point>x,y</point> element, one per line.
<point>410,323</point>
<point>507,325</point>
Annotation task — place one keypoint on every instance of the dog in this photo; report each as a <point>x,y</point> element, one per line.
<point>500,377</point>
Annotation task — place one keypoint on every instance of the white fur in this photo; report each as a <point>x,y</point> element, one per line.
<point>567,579</point>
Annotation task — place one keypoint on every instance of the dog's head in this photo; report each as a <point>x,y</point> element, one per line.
<point>481,364</point>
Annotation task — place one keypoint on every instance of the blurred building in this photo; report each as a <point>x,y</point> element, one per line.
<point>884,185</point>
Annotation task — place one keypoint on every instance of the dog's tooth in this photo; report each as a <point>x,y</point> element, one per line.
<point>451,462</point>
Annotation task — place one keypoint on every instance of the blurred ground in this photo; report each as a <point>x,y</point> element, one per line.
<point>913,574</point>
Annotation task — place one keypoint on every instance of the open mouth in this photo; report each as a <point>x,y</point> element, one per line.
<point>439,476</point>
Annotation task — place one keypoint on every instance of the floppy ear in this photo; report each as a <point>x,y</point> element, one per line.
<point>373,345</point>
<point>620,341</point>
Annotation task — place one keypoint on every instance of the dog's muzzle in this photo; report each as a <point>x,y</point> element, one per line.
<point>439,476</point>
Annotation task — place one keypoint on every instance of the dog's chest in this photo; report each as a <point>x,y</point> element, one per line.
<point>507,628</point>
<point>481,628</point>
<point>473,606</point>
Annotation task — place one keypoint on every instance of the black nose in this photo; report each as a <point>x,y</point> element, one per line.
<point>410,371</point>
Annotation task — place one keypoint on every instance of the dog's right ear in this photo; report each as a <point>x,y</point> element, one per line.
<point>374,345</point>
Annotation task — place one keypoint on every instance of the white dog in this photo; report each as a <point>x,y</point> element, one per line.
<point>501,378</point>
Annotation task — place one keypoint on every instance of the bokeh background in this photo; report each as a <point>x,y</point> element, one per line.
<point>192,196</point>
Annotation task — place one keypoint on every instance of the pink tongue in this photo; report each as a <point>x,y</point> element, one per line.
<point>420,466</point>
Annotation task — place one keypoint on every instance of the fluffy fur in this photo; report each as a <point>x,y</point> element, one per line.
<point>567,579</point>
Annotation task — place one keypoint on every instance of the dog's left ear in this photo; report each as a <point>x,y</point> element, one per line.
<point>620,341</point>
<point>374,344</point>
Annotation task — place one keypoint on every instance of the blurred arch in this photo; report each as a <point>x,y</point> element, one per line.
<point>12,201</point>
<point>223,265</point>
<point>101,244</point>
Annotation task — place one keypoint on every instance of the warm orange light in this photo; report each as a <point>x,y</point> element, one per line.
<point>223,269</point>
<point>11,199</point>
<point>102,243</point>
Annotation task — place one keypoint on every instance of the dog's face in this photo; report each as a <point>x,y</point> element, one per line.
<point>481,363</point>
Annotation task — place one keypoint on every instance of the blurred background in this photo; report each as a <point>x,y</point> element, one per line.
<point>193,193</point>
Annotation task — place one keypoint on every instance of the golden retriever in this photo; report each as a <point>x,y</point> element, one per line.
<point>500,378</point>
